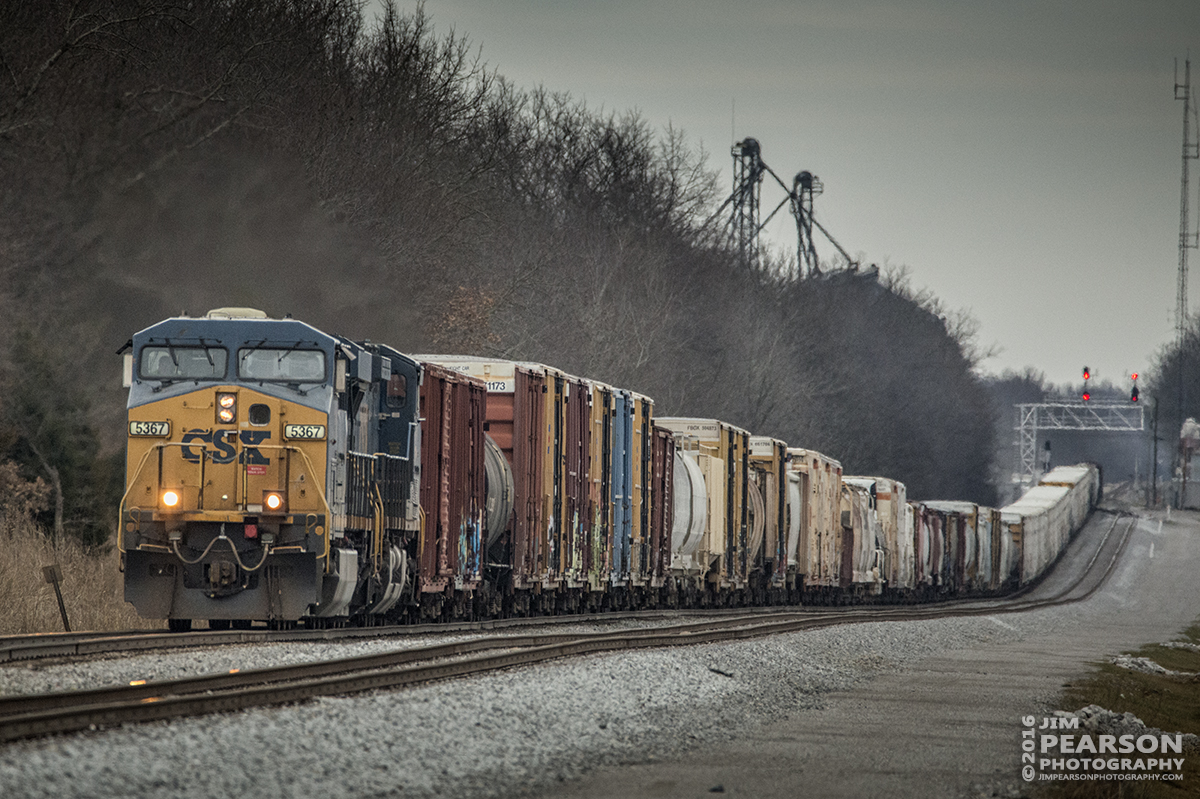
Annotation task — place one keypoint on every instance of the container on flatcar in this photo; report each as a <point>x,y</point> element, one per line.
<point>721,452</point>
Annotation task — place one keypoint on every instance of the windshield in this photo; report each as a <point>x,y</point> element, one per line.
<point>182,363</point>
<point>289,365</point>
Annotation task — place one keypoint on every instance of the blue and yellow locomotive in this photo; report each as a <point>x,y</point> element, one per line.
<point>270,472</point>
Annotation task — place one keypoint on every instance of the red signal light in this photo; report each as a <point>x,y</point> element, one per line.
<point>1086,396</point>
<point>1135,375</point>
<point>1133,397</point>
<point>1087,373</point>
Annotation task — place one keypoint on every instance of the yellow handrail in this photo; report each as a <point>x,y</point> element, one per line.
<point>317,486</point>
<point>288,447</point>
<point>125,496</point>
<point>377,540</point>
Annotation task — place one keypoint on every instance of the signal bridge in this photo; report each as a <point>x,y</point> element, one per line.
<point>1111,416</point>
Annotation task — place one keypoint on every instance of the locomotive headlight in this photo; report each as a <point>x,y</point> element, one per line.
<point>226,408</point>
<point>272,501</point>
<point>170,498</point>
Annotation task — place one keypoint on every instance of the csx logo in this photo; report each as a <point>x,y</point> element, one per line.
<point>224,446</point>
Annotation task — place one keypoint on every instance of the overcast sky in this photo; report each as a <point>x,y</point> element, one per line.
<point>1021,158</point>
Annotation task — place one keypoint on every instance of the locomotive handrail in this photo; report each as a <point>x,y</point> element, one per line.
<point>320,494</point>
<point>125,496</point>
<point>156,447</point>
<point>159,446</point>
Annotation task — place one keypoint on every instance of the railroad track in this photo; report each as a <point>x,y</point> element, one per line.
<point>86,644</point>
<point>43,714</point>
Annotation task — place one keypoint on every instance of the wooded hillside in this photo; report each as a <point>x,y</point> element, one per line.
<point>382,182</point>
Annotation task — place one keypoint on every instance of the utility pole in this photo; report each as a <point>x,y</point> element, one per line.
<point>1187,240</point>
<point>1154,458</point>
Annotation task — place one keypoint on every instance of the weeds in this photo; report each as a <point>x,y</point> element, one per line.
<point>91,586</point>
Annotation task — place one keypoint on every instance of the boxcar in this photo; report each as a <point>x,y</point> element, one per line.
<point>821,527</point>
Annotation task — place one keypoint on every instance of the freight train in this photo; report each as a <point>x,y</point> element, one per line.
<point>278,473</point>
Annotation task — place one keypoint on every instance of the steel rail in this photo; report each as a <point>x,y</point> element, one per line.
<point>40,645</point>
<point>43,714</point>
<point>84,644</point>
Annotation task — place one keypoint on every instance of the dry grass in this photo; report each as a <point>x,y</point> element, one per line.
<point>91,586</point>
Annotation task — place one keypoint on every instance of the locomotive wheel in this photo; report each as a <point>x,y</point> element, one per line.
<point>218,624</point>
<point>179,625</point>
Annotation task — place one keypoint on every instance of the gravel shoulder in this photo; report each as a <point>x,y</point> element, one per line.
<point>673,722</point>
<point>946,725</point>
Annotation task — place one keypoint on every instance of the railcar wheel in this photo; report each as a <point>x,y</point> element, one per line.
<point>179,625</point>
<point>241,624</point>
<point>218,624</point>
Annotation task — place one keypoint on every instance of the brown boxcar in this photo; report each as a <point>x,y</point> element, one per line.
<point>662,504</point>
<point>450,547</point>
<point>516,421</point>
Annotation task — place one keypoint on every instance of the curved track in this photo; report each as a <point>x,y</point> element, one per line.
<point>43,714</point>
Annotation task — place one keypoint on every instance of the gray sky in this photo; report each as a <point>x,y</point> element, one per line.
<point>1021,158</point>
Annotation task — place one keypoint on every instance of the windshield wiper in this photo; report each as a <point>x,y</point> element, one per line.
<point>207,354</point>
<point>171,349</point>
<point>289,351</point>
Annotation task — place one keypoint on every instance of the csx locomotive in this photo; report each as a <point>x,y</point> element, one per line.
<point>278,473</point>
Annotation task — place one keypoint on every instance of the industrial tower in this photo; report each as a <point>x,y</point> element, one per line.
<point>746,222</point>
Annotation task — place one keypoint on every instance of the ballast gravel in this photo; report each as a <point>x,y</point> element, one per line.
<point>504,734</point>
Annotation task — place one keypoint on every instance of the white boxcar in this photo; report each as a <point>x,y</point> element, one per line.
<point>896,530</point>
<point>821,528</point>
<point>1044,518</point>
<point>866,539</point>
